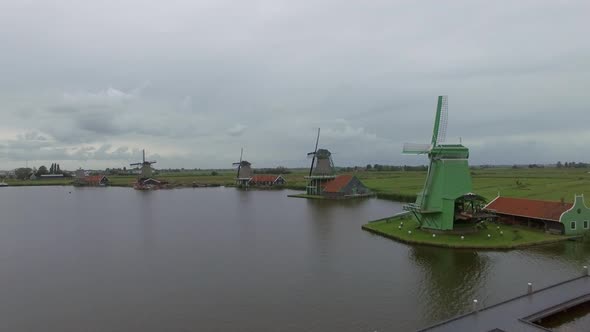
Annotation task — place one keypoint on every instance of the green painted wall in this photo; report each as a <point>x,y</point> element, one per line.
<point>447,180</point>
<point>578,216</point>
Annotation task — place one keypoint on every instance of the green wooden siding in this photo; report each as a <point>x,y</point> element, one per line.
<point>448,179</point>
<point>576,221</point>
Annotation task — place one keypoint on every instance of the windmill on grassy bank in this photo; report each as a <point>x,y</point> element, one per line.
<point>446,196</point>
<point>244,172</point>
<point>145,167</point>
<point>321,170</point>
<point>144,180</point>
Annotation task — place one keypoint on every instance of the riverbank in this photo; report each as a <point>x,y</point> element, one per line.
<point>405,229</point>
<point>536,183</point>
<point>332,198</point>
<point>307,196</point>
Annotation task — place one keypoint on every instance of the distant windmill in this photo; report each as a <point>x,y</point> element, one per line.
<point>146,167</point>
<point>244,172</point>
<point>321,169</point>
<point>448,182</point>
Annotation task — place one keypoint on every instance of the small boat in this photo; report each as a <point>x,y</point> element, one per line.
<point>3,184</point>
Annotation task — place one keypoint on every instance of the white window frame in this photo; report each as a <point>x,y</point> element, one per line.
<point>586,224</point>
<point>573,225</point>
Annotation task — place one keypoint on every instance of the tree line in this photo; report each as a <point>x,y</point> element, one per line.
<point>572,164</point>
<point>25,173</point>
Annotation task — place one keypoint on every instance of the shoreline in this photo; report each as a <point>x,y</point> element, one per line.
<point>523,237</point>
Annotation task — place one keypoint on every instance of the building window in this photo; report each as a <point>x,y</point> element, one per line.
<point>586,222</point>
<point>573,225</point>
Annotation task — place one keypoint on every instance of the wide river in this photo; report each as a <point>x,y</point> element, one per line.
<point>221,259</point>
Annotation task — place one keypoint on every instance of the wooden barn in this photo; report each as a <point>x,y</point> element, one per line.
<point>345,186</point>
<point>82,179</point>
<point>267,180</point>
<point>95,181</point>
<point>556,217</point>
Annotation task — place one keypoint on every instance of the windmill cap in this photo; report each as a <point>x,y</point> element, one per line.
<point>323,153</point>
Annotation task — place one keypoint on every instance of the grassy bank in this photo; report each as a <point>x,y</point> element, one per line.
<point>538,183</point>
<point>405,229</point>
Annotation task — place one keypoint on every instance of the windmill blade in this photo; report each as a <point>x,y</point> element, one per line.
<point>440,121</point>
<point>240,163</point>
<point>136,164</point>
<point>415,148</point>
<point>444,119</point>
<point>317,141</point>
<point>143,154</point>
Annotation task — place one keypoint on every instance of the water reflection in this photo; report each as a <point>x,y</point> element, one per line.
<point>450,280</point>
<point>146,220</point>
<point>325,217</point>
<point>577,252</point>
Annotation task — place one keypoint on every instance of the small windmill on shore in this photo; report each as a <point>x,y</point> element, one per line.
<point>321,169</point>
<point>244,171</point>
<point>145,167</point>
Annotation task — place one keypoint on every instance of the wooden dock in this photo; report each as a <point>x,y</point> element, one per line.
<point>519,313</point>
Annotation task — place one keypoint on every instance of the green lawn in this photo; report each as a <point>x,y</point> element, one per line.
<point>501,236</point>
<point>545,183</point>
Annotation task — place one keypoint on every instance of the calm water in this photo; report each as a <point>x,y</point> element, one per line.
<point>217,259</point>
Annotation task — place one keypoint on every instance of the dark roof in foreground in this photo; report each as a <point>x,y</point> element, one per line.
<point>517,314</point>
<point>529,208</point>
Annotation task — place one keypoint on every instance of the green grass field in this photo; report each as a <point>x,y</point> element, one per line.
<point>501,236</point>
<point>538,183</point>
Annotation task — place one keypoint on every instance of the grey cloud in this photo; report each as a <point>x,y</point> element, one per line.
<point>263,74</point>
<point>237,130</point>
<point>32,136</point>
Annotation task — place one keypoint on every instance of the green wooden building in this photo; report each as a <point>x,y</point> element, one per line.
<point>555,217</point>
<point>447,195</point>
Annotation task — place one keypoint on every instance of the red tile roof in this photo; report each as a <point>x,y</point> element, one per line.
<point>95,179</point>
<point>529,208</point>
<point>337,184</point>
<point>264,178</point>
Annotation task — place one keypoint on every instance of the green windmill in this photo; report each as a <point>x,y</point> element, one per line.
<point>446,197</point>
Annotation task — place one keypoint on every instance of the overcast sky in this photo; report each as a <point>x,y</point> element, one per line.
<point>90,83</point>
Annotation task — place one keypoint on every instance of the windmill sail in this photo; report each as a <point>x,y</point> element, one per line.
<point>239,164</point>
<point>314,153</point>
<point>416,148</point>
<point>439,131</point>
<point>440,122</point>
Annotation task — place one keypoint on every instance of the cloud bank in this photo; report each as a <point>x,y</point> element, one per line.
<point>194,81</point>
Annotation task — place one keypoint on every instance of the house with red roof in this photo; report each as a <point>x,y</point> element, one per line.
<point>266,180</point>
<point>96,180</point>
<point>557,217</point>
<point>345,186</point>
<point>92,181</point>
